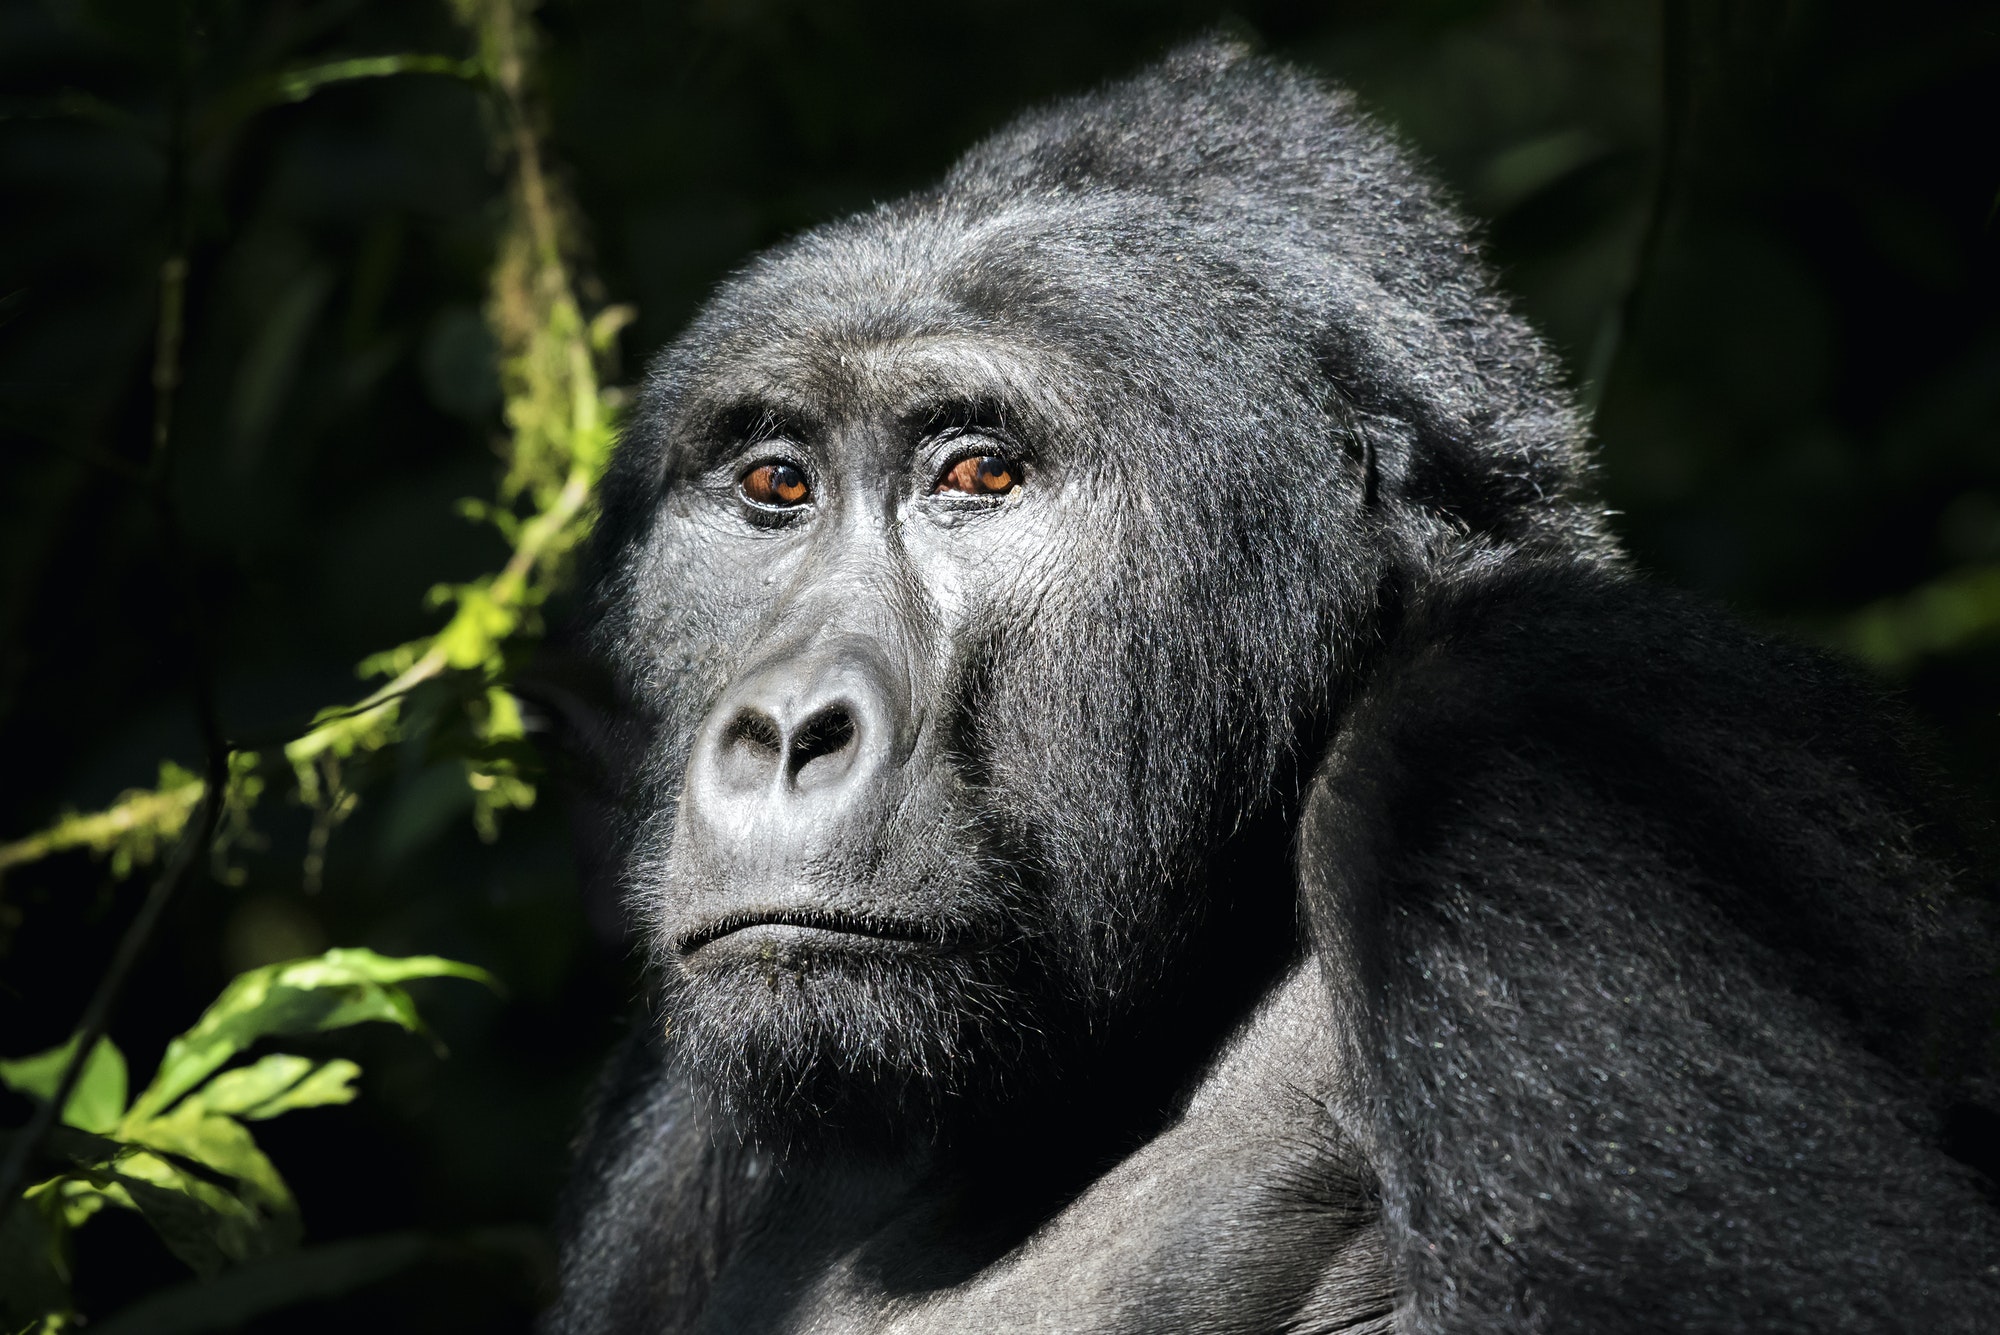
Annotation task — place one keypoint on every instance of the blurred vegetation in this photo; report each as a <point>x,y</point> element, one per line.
<point>283,284</point>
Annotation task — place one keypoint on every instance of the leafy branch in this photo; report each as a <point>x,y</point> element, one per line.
<point>179,1154</point>
<point>560,417</point>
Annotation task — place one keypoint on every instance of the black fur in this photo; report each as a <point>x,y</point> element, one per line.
<point>1656,968</point>
<point>1296,733</point>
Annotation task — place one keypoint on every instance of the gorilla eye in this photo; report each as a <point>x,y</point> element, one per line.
<point>779,485</point>
<point>981,475</point>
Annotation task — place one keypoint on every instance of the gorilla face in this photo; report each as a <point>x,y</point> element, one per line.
<point>966,617</point>
<point>981,572</point>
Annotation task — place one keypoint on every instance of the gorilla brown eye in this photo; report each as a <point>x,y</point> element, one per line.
<point>774,484</point>
<point>981,475</point>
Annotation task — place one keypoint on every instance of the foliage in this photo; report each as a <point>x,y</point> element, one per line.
<point>179,1154</point>
<point>131,830</point>
<point>1949,613</point>
<point>561,418</point>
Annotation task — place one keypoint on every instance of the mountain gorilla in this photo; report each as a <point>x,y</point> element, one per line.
<point>1158,804</point>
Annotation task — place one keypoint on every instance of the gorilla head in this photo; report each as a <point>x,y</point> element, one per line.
<point>978,567</point>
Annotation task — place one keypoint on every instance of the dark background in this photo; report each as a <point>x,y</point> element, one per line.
<point>1765,236</point>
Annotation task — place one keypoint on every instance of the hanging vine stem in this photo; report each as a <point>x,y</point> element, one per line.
<point>558,412</point>
<point>1677,103</point>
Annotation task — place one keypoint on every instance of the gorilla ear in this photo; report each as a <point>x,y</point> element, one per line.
<point>569,704</point>
<point>1409,449</point>
<point>1362,441</point>
<point>1377,426</point>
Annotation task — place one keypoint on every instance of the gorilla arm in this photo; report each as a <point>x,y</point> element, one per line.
<point>1612,899</point>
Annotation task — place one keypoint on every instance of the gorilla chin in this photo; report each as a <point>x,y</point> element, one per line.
<point>808,1018</point>
<point>810,1029</point>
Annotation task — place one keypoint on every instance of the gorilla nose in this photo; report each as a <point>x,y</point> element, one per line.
<point>798,747</point>
<point>809,753</point>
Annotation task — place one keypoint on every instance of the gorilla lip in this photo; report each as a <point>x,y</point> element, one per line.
<point>812,920</point>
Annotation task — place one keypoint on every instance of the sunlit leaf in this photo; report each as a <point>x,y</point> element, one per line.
<point>37,1076</point>
<point>279,1083</point>
<point>332,991</point>
<point>352,964</point>
<point>98,1100</point>
<point>223,1144</point>
<point>78,1200</point>
<point>330,1083</point>
<point>244,1088</point>
<point>203,1224</point>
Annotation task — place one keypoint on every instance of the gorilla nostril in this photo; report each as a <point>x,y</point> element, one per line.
<point>827,735</point>
<point>752,742</point>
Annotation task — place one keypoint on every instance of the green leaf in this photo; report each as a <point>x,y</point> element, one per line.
<point>206,1226</point>
<point>332,991</point>
<point>244,1088</point>
<point>203,1222</point>
<point>38,1076</point>
<point>98,1100</point>
<point>77,1200</point>
<point>342,965</point>
<point>278,1083</point>
<point>332,1082</point>
<point>34,1263</point>
<point>220,1143</point>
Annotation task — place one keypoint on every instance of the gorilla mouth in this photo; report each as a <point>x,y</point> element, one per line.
<point>808,921</point>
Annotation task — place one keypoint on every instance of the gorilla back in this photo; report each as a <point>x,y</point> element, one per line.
<point>1156,803</point>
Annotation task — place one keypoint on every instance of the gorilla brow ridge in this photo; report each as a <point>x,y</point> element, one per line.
<point>750,421</point>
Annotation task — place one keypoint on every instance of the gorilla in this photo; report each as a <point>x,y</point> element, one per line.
<point>1156,802</point>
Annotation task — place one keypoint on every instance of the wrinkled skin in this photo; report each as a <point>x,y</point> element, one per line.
<point>1155,803</point>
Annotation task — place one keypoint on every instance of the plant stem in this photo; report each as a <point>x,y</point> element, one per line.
<point>97,1015</point>
<point>1676,98</point>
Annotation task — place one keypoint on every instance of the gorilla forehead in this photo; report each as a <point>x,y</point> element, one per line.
<point>1080,323</point>
<point>1224,251</point>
